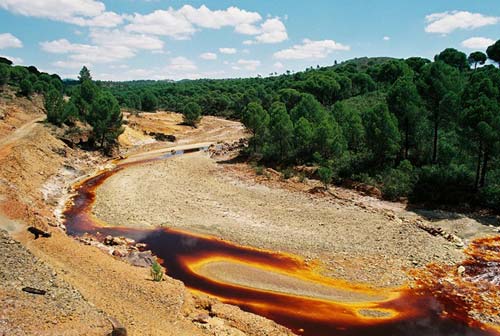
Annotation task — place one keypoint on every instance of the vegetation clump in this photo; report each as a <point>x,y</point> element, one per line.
<point>156,271</point>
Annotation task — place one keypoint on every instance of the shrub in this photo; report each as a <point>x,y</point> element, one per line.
<point>452,184</point>
<point>259,170</point>
<point>4,74</point>
<point>26,88</point>
<point>156,271</point>
<point>398,182</point>
<point>287,173</point>
<point>325,175</point>
<point>192,114</point>
<point>490,196</point>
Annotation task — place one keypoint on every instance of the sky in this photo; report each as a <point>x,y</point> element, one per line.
<point>167,39</point>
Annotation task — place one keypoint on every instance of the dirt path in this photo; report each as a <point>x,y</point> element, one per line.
<point>20,132</point>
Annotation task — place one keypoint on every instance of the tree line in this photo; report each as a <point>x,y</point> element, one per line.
<point>424,129</point>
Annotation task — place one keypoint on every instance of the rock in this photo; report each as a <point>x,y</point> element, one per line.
<point>202,318</point>
<point>115,241</point>
<point>141,259</point>
<point>460,270</point>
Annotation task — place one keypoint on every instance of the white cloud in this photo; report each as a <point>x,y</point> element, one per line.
<point>272,31</point>
<point>278,65</point>
<point>228,51</point>
<point>15,60</point>
<point>108,46</point>
<point>181,64</point>
<point>248,42</point>
<point>86,53</point>
<point>70,64</point>
<point>79,12</point>
<point>184,22</point>
<point>311,50</point>
<point>247,29</point>
<point>477,43</point>
<point>120,38</point>
<point>232,17</point>
<point>386,38</point>
<point>162,22</point>
<point>447,22</point>
<point>250,65</point>
<point>8,40</point>
<point>208,56</point>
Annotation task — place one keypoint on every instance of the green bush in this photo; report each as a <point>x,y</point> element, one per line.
<point>452,184</point>
<point>259,170</point>
<point>490,196</point>
<point>325,175</point>
<point>156,271</point>
<point>26,88</point>
<point>398,182</point>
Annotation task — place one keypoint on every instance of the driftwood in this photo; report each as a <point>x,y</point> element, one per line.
<point>34,290</point>
<point>39,233</point>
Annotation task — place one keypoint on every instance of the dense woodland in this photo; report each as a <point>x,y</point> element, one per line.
<point>416,128</point>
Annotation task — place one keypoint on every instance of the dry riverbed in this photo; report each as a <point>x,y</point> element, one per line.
<point>195,193</point>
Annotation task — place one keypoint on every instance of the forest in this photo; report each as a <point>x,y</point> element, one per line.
<point>419,129</point>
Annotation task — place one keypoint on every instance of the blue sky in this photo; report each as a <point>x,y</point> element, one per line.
<point>166,39</point>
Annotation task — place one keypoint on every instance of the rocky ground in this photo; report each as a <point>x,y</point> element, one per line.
<point>61,310</point>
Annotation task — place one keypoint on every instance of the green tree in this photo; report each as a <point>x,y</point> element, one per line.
<point>304,136</point>
<point>54,107</point>
<point>149,101</point>
<point>256,120</point>
<point>4,74</point>
<point>18,73</point>
<point>476,58</point>
<point>382,134</point>
<point>6,61</point>
<point>351,124</point>
<point>454,58</point>
<point>417,63</point>
<point>493,52</point>
<point>309,108</point>
<point>191,114</point>
<point>84,75</point>
<point>281,132</point>
<point>106,119</point>
<point>26,88</point>
<point>325,176</point>
<point>481,121</point>
<point>404,102</point>
<point>437,80</point>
